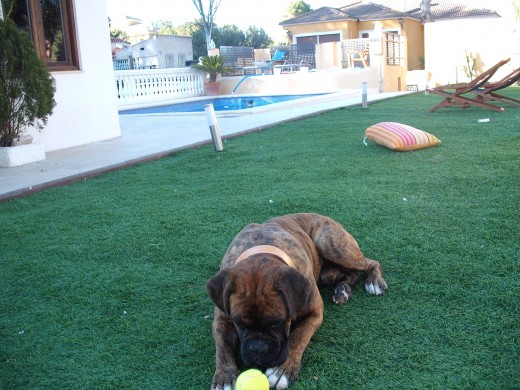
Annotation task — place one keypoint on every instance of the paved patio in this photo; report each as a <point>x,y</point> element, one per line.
<point>145,138</point>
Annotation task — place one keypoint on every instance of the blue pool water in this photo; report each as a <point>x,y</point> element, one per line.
<point>219,104</point>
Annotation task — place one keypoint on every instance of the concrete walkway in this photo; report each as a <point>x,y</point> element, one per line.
<point>148,137</point>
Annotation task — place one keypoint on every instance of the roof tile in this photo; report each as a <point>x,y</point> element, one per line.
<point>362,11</point>
<point>323,14</point>
<point>446,9</point>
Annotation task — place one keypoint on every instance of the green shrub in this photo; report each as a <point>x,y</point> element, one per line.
<point>26,87</point>
<point>212,65</point>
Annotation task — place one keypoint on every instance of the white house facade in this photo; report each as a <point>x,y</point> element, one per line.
<point>485,39</point>
<point>86,102</point>
<point>163,51</point>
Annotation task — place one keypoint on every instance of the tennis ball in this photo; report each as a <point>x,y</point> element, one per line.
<point>252,379</point>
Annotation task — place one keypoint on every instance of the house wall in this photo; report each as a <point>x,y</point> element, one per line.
<point>302,83</point>
<point>180,49</point>
<point>382,25</point>
<point>414,32</point>
<point>411,28</point>
<point>329,55</point>
<point>145,53</point>
<point>163,51</point>
<point>86,109</point>
<point>490,40</point>
<point>316,28</point>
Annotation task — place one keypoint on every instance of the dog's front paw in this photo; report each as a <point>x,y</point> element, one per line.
<point>342,293</point>
<point>224,380</point>
<point>226,387</point>
<point>376,285</point>
<point>282,376</point>
<point>277,378</point>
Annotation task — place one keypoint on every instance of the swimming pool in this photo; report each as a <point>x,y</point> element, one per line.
<point>226,103</point>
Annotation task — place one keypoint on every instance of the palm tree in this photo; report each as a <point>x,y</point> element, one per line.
<point>207,18</point>
<point>212,65</point>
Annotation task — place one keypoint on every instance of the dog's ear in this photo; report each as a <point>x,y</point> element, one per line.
<point>219,288</point>
<point>295,289</point>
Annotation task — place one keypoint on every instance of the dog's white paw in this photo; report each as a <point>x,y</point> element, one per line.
<point>225,387</point>
<point>374,289</point>
<point>342,294</point>
<point>277,379</point>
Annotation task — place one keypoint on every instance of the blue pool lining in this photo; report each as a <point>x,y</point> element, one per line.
<point>225,103</point>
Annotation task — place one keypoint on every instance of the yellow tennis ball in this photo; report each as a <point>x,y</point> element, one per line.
<point>252,379</point>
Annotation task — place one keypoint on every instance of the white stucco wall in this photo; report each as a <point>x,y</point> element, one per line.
<point>488,39</point>
<point>153,51</point>
<point>179,48</point>
<point>86,109</point>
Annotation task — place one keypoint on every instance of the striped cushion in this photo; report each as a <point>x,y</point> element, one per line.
<point>399,137</point>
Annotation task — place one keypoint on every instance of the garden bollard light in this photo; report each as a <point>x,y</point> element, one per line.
<point>364,94</point>
<point>213,127</point>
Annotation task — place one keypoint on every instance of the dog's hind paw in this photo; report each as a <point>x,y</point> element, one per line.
<point>342,293</point>
<point>277,379</point>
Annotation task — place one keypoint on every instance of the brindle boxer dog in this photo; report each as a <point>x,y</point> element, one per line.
<point>266,294</point>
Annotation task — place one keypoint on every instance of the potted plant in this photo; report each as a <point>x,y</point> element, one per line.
<point>213,65</point>
<point>26,95</point>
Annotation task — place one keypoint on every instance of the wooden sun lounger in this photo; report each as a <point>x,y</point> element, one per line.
<point>452,93</point>
<point>488,92</point>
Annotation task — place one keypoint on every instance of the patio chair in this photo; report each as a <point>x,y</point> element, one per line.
<point>278,57</point>
<point>453,93</point>
<point>488,92</point>
<point>360,55</point>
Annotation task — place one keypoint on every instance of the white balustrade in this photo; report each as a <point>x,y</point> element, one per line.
<point>152,85</point>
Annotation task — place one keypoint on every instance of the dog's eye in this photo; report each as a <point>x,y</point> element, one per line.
<point>238,323</point>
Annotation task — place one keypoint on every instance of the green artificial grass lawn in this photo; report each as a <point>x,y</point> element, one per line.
<point>102,282</point>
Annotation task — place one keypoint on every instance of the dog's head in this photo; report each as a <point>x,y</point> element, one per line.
<point>261,297</point>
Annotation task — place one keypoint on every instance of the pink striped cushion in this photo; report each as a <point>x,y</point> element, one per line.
<point>399,137</point>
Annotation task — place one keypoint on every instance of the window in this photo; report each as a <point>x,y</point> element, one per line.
<point>319,38</point>
<point>52,28</point>
<point>393,43</point>
<point>307,39</point>
<point>329,38</point>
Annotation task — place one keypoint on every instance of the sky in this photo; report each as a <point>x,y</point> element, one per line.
<point>243,13</point>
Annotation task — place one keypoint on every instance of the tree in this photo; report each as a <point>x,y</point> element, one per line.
<point>426,15</point>
<point>229,35</point>
<point>26,86</point>
<point>257,38</point>
<point>296,8</point>
<point>166,27</point>
<point>207,18</point>
<point>116,33</point>
<point>193,30</point>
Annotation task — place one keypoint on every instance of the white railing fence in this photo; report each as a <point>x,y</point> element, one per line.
<point>125,64</point>
<point>151,85</point>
